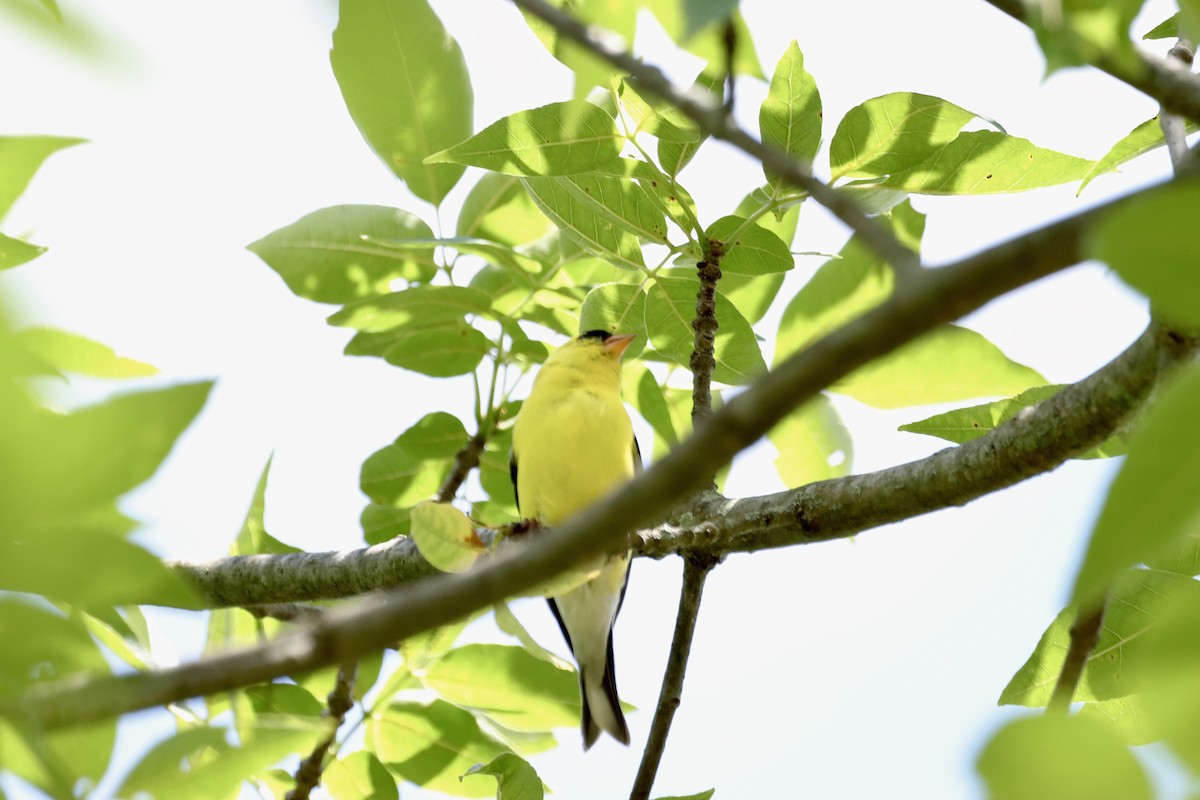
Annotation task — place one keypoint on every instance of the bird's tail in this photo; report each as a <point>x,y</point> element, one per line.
<point>601,705</point>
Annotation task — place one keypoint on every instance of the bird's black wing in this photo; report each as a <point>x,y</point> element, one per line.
<point>512,473</point>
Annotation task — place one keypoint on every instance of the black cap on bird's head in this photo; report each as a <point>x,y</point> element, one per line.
<point>613,343</point>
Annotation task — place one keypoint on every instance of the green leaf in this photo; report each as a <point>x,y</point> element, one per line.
<point>443,351</point>
<point>14,252</point>
<point>1125,716</point>
<point>412,308</point>
<point>359,776</point>
<point>439,435</point>
<point>52,647</point>
<point>517,689</point>
<point>1142,241</point>
<point>217,767</point>
<point>61,563</point>
<point>586,220</point>
<point>843,288</point>
<point>1080,32</point>
<point>1060,758</point>
<point>433,746</point>
<point>70,352</point>
<point>1142,139</point>
<point>1167,29</point>
<point>508,622</point>
<point>644,392</point>
<point>283,698</point>
<point>757,251</point>
<point>330,255</point>
<point>705,795</point>
<point>382,523</point>
<point>616,308</point>
<point>1135,605</point>
<point>949,363</point>
<point>988,162</point>
<point>1154,501</point>
<point>964,424</point>
<point>498,208</point>
<point>1169,692</point>
<point>101,451</point>
<point>709,44</point>
<point>670,308</point>
<point>893,133</point>
<point>515,778</point>
<point>390,476</point>
<point>556,139</point>
<point>619,18</point>
<point>20,159</point>
<point>813,444</point>
<point>445,536</point>
<point>673,156</point>
<point>702,13</point>
<point>790,117</point>
<point>253,537</point>
<point>405,84</point>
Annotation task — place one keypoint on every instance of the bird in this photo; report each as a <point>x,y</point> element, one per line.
<point>572,443</point>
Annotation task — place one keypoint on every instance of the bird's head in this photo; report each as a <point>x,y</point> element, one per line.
<point>594,354</point>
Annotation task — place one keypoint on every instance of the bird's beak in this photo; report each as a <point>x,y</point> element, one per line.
<point>615,345</point>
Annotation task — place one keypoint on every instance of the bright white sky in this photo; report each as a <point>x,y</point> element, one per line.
<point>863,668</point>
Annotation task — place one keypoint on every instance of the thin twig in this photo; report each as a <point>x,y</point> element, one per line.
<point>465,460</point>
<point>704,327</point>
<point>695,571</point>
<point>1174,127</point>
<point>713,119</point>
<point>1085,633</point>
<point>932,298</point>
<point>339,702</point>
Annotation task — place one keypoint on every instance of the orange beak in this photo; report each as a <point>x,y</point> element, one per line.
<point>615,345</point>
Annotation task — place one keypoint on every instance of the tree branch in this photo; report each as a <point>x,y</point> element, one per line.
<point>1075,420</point>
<point>931,298</point>
<point>695,570</point>
<point>1085,633</point>
<point>704,339</point>
<point>339,702</point>
<point>1171,84</point>
<point>714,120</point>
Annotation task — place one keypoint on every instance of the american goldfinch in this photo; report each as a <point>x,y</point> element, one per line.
<point>572,444</point>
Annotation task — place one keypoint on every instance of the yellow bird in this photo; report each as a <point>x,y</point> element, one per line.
<point>572,444</point>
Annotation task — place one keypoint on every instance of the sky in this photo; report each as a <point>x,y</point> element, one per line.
<point>867,667</point>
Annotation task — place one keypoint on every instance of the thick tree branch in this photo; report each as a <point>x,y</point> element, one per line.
<point>1072,422</point>
<point>714,120</point>
<point>931,298</point>
<point>695,570</point>
<point>1170,83</point>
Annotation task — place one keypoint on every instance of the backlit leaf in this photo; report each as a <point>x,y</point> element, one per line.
<point>1142,242</point>
<point>670,308</point>
<point>893,133</point>
<point>556,139</point>
<point>445,536</point>
<point>405,84</point>
<point>1154,502</point>
<point>790,117</point>
<point>1060,758</point>
<point>330,256</point>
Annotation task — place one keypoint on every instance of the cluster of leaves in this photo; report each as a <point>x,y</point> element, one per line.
<point>580,220</point>
<point>63,475</point>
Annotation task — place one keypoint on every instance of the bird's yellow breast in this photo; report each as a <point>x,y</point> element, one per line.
<point>573,444</point>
